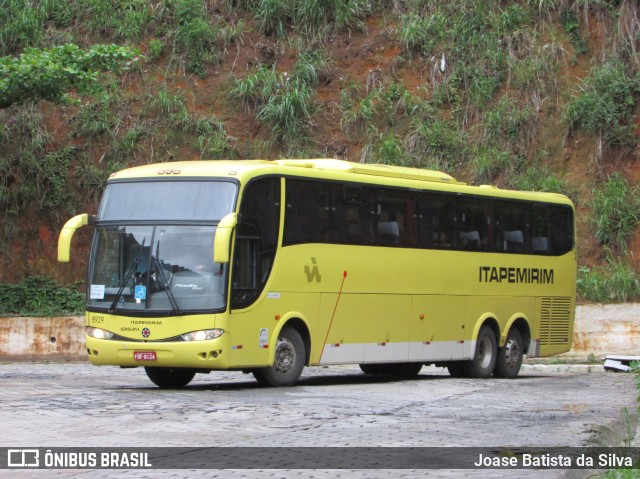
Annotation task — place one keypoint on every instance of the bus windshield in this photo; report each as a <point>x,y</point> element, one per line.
<point>153,246</point>
<point>155,268</point>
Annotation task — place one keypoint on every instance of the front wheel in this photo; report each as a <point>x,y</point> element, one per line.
<point>170,378</point>
<point>288,362</point>
<point>510,356</point>
<point>484,360</point>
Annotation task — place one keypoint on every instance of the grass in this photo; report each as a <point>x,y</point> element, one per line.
<point>284,104</point>
<point>604,105</point>
<point>616,210</point>
<point>614,282</point>
<point>541,179</point>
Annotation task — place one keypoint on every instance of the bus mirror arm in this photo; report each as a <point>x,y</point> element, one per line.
<point>68,230</point>
<point>222,240</point>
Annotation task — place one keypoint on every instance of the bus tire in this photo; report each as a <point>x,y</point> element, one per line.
<point>288,362</point>
<point>510,355</point>
<point>170,378</point>
<point>484,359</point>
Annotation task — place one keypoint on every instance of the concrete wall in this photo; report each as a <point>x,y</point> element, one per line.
<point>599,330</point>
<point>60,338</point>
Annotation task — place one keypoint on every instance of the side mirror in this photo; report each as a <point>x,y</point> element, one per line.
<point>222,240</point>
<point>68,230</point>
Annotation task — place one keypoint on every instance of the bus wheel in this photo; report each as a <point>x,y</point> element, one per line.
<point>510,356</point>
<point>288,363</point>
<point>170,377</point>
<point>484,360</point>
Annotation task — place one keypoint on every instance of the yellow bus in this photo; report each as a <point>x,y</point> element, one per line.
<point>270,266</point>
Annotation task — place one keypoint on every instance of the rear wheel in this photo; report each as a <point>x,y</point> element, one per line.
<point>288,363</point>
<point>168,378</point>
<point>484,359</point>
<point>510,355</point>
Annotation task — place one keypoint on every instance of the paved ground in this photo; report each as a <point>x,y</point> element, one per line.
<point>75,404</point>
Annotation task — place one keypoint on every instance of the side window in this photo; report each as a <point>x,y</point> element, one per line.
<point>308,212</point>
<point>436,220</point>
<point>256,240</point>
<point>357,206</point>
<point>474,219</point>
<point>561,227</point>
<point>328,212</point>
<point>551,229</point>
<point>512,229</point>
<point>395,218</point>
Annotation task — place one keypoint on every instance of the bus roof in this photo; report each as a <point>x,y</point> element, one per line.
<point>234,168</point>
<point>324,168</point>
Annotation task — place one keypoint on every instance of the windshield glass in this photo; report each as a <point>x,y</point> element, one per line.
<point>155,268</point>
<point>168,200</point>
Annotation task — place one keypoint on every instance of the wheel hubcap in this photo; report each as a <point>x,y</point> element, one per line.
<point>512,354</point>
<point>285,356</point>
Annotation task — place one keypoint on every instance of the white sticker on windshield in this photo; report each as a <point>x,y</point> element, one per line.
<point>97,291</point>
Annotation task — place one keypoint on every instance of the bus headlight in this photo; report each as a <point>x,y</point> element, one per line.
<point>99,333</point>
<point>202,335</point>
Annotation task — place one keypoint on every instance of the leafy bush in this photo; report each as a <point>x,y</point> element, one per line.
<point>613,283</point>
<point>312,18</point>
<point>312,66</point>
<point>288,111</point>
<point>616,210</point>
<point>442,142</point>
<point>387,149</point>
<point>39,296</point>
<point>197,39</point>
<point>20,26</point>
<point>273,15</point>
<point>606,102</point>
<point>571,25</point>
<point>50,74</point>
<point>489,163</point>
<point>128,19</point>
<point>213,139</point>
<point>283,103</point>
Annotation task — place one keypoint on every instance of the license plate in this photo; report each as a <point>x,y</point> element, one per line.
<point>144,356</point>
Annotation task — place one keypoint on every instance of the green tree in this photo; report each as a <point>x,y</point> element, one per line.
<point>50,74</point>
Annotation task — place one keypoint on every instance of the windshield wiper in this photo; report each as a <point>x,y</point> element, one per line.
<point>165,283</point>
<point>112,308</point>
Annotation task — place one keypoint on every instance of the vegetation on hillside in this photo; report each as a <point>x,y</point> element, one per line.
<point>541,95</point>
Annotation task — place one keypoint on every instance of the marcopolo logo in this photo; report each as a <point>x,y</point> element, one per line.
<point>313,272</point>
